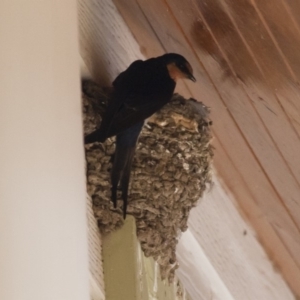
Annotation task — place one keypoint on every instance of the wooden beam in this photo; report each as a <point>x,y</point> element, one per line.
<point>43,226</point>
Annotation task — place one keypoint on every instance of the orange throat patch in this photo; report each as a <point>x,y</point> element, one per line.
<point>174,72</point>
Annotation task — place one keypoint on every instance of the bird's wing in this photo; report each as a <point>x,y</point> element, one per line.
<point>140,91</point>
<point>133,113</point>
<point>125,81</point>
<point>130,76</point>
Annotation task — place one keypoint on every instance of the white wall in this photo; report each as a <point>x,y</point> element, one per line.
<point>43,239</point>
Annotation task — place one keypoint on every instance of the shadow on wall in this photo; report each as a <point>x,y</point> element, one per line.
<point>104,40</point>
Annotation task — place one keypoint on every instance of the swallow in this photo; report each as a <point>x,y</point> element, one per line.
<point>140,91</point>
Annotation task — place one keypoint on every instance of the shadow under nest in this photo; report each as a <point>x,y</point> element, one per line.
<point>171,170</point>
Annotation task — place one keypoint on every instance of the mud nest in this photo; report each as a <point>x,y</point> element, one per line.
<point>171,170</point>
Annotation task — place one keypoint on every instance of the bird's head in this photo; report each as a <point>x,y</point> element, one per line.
<point>178,67</point>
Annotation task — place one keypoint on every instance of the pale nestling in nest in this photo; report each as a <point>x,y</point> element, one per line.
<point>171,170</point>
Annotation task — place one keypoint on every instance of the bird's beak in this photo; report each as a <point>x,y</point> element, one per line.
<point>191,77</point>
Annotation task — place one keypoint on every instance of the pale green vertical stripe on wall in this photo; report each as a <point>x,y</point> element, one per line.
<point>128,274</point>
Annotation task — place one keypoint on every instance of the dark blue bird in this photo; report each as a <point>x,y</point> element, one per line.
<point>140,91</point>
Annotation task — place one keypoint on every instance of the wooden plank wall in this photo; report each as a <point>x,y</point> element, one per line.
<point>232,254</point>
<point>247,64</point>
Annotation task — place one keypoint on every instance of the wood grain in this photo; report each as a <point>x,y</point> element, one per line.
<point>251,212</point>
<point>245,116</point>
<point>249,27</point>
<point>233,246</point>
<point>225,95</point>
